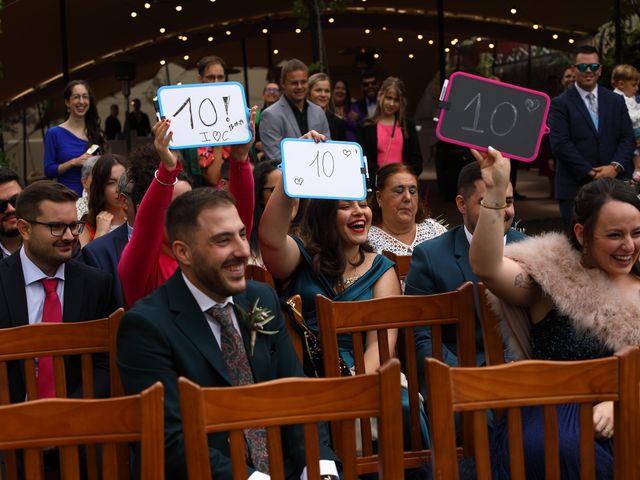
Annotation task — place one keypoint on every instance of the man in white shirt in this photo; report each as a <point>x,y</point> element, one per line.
<point>47,224</point>
<point>196,326</point>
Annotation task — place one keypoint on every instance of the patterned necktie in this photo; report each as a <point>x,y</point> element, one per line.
<point>51,313</point>
<point>593,107</point>
<point>235,356</point>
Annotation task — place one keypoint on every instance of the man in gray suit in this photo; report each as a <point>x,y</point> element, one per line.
<point>293,115</point>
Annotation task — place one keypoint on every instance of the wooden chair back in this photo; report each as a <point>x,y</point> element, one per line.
<point>491,338</point>
<point>29,342</point>
<point>259,274</point>
<point>401,263</point>
<point>294,401</point>
<point>535,382</point>
<point>66,424</point>
<point>403,313</point>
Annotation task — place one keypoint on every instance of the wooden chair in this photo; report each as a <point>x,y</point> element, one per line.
<point>66,423</point>
<point>29,342</point>
<point>491,338</point>
<point>259,274</point>
<point>401,264</point>
<point>404,313</point>
<point>535,382</point>
<point>294,401</point>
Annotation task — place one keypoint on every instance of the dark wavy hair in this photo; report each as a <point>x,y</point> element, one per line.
<point>260,173</point>
<point>347,98</point>
<point>590,200</point>
<point>100,175</point>
<point>143,162</point>
<point>382,175</point>
<point>323,242</point>
<point>91,118</point>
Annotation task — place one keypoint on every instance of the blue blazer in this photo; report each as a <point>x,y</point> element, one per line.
<point>165,335</point>
<point>440,265</point>
<point>578,146</point>
<point>104,254</point>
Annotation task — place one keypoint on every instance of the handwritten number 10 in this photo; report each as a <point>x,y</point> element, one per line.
<point>325,164</point>
<point>188,102</point>
<point>476,116</point>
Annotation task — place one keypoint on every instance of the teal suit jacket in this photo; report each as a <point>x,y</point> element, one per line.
<point>165,336</point>
<point>440,265</point>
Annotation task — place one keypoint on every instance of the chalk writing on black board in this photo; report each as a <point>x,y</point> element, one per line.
<point>508,110</point>
<point>327,164</point>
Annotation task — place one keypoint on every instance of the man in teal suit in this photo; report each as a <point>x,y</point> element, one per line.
<point>176,332</point>
<point>442,264</point>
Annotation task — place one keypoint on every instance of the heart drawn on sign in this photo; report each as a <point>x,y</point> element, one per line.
<point>298,180</point>
<point>346,152</point>
<point>532,104</point>
<point>216,135</point>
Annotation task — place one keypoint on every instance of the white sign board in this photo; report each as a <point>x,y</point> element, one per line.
<point>205,114</point>
<point>330,170</point>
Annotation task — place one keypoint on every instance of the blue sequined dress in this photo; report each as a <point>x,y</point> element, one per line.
<point>308,284</point>
<point>554,338</point>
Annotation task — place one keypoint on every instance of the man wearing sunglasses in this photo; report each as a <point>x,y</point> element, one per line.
<point>591,135</point>
<point>42,283</point>
<point>10,188</point>
<point>369,101</point>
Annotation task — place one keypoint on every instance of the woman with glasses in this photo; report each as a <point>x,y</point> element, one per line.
<point>68,145</point>
<point>389,136</point>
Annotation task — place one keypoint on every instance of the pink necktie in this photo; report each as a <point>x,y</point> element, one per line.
<point>51,313</point>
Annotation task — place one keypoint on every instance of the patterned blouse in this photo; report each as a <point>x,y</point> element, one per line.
<point>381,240</point>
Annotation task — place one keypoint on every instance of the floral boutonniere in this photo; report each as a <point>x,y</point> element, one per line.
<point>255,320</point>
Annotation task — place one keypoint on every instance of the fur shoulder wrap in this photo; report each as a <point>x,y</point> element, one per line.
<point>586,296</point>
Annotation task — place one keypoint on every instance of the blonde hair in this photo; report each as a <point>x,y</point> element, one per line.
<point>320,77</point>
<point>623,73</point>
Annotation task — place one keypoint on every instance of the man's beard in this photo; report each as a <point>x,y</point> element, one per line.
<point>11,233</point>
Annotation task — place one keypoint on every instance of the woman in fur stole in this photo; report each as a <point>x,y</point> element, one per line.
<point>562,299</point>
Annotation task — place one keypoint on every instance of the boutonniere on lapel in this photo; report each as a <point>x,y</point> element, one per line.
<point>255,320</point>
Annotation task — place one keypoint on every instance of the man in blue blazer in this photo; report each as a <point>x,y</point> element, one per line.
<point>591,135</point>
<point>442,264</point>
<point>174,331</point>
<point>293,115</point>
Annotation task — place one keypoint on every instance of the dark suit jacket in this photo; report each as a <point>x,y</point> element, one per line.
<point>165,335</point>
<point>277,122</point>
<point>576,144</point>
<point>411,155</point>
<point>440,265</point>
<point>104,254</point>
<point>88,295</point>
<point>337,127</point>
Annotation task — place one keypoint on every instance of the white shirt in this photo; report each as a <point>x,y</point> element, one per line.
<point>633,107</point>
<point>327,467</point>
<point>35,290</point>
<point>5,252</point>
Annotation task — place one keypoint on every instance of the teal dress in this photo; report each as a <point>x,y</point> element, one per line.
<point>306,283</point>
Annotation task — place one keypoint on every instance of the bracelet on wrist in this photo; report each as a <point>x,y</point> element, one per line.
<point>493,206</point>
<point>164,183</point>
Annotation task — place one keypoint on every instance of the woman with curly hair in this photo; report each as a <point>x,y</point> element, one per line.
<point>68,145</point>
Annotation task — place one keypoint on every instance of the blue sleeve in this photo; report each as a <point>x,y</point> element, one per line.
<point>51,153</point>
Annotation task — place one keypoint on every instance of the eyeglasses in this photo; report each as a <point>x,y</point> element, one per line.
<point>4,204</point>
<point>582,67</point>
<point>215,78</point>
<point>369,83</point>
<point>271,90</point>
<point>58,228</point>
<point>78,96</point>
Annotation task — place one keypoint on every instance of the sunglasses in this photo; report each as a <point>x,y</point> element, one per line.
<point>369,83</point>
<point>582,67</point>
<point>4,204</point>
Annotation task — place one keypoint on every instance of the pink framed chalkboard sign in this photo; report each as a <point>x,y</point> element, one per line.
<point>477,112</point>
